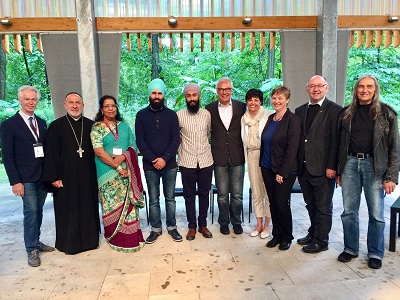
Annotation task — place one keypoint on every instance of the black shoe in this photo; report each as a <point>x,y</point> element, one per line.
<point>33,258</point>
<point>153,237</point>
<point>237,229</point>
<point>374,263</point>
<point>175,235</point>
<point>45,248</point>
<point>272,243</point>
<point>224,229</point>
<point>284,245</point>
<point>305,240</point>
<point>314,248</point>
<point>346,257</point>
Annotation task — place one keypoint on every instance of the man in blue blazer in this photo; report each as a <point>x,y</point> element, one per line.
<point>228,155</point>
<point>22,138</point>
<point>317,162</point>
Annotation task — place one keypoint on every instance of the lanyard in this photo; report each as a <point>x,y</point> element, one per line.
<point>115,135</point>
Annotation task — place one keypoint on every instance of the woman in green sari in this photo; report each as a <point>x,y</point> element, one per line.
<point>118,176</point>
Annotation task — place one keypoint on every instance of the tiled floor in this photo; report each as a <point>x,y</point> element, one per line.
<point>224,267</point>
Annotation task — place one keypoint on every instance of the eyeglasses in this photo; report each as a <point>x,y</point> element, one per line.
<point>319,86</point>
<point>109,106</point>
<point>221,90</point>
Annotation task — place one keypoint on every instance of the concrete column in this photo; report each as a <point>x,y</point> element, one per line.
<point>327,44</point>
<point>342,63</point>
<point>298,54</point>
<point>88,55</point>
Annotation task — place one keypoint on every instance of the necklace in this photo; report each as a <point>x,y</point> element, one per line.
<point>80,150</point>
<point>115,135</point>
<point>277,119</point>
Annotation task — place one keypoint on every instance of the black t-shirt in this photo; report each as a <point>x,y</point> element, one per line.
<point>362,130</point>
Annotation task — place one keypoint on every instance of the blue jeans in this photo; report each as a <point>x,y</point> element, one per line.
<point>153,184</point>
<point>33,201</point>
<point>201,177</point>
<point>358,174</point>
<point>229,180</point>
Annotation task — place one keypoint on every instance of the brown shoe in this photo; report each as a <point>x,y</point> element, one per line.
<point>191,235</point>
<point>205,232</point>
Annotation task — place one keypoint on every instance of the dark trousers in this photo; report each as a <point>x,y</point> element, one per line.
<point>202,177</point>
<point>279,202</point>
<point>318,193</point>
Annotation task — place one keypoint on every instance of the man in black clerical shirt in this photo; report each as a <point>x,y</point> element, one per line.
<point>317,162</point>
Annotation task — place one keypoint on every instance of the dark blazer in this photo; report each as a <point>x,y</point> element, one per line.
<point>319,147</point>
<point>284,144</point>
<point>17,146</point>
<point>227,143</point>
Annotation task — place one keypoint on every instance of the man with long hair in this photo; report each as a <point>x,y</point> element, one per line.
<point>367,159</point>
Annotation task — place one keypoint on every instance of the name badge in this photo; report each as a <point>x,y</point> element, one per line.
<point>38,150</point>
<point>117,151</point>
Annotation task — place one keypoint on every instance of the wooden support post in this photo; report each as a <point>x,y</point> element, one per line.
<point>128,42</point>
<point>360,38</point>
<point>369,34</point>
<point>160,42</point>
<point>351,41</point>
<point>139,43</point>
<point>388,38</point>
<point>252,40</point>
<point>28,43</point>
<point>242,42</point>
<point>396,38</point>
<point>39,43</point>
<point>150,43</point>
<point>5,43</point>
<point>272,40</point>
<point>17,43</point>
<point>378,38</point>
<point>262,40</point>
<point>171,42</point>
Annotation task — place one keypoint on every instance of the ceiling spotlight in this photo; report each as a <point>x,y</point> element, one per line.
<point>393,19</point>
<point>5,22</point>
<point>247,21</point>
<point>172,21</point>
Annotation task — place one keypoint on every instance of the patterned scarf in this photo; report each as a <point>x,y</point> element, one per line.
<point>253,140</point>
<point>134,172</point>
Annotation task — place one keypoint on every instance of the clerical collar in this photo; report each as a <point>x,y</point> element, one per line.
<point>75,119</point>
<point>319,102</point>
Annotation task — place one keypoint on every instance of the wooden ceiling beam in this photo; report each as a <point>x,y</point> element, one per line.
<point>195,24</point>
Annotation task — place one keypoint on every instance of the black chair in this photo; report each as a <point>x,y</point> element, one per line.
<point>147,206</point>
<point>213,191</point>
<point>394,211</point>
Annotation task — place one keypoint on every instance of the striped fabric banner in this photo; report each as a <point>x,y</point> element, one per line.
<point>193,8</point>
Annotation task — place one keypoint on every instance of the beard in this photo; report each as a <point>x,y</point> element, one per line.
<point>193,108</point>
<point>156,105</point>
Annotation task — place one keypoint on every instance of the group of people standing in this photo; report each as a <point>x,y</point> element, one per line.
<point>322,144</point>
<point>80,160</point>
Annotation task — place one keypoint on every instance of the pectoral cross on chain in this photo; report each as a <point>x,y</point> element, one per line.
<point>80,151</point>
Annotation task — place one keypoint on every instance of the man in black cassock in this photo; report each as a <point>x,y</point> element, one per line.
<point>69,167</point>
